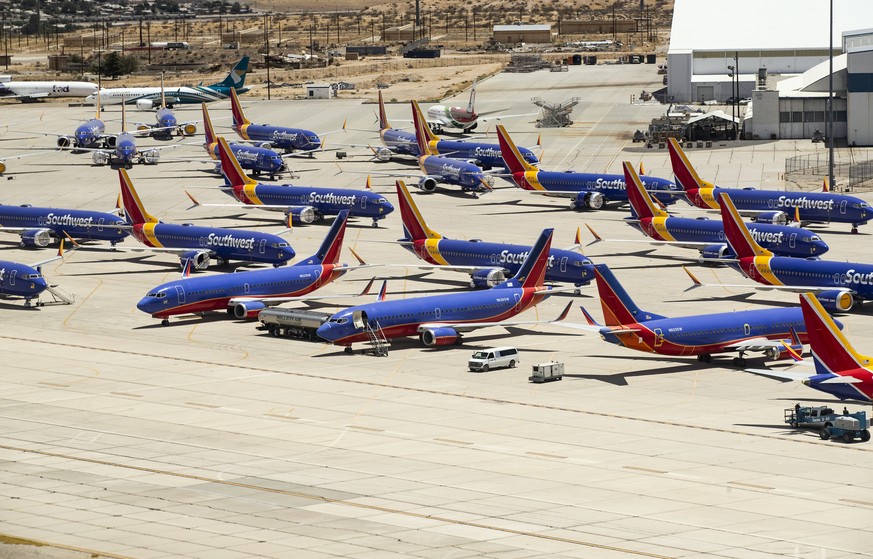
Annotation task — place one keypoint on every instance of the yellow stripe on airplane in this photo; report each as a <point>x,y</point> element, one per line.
<point>660,226</point>
<point>433,250</point>
<point>250,192</point>
<point>762,265</point>
<point>148,230</point>
<point>862,360</point>
<point>533,180</point>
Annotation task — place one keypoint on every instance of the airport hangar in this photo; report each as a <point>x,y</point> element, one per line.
<point>782,67</point>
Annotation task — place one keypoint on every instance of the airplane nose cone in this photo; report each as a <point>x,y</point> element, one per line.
<point>289,253</point>
<point>325,332</point>
<point>146,305</point>
<point>387,208</point>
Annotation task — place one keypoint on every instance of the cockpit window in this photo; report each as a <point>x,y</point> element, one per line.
<point>381,201</point>
<point>157,295</point>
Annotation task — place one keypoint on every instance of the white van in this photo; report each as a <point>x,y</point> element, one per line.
<point>493,358</point>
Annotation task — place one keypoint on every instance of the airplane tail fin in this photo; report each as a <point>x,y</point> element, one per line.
<point>824,185</point>
<point>533,269</point>
<point>831,351</point>
<point>383,116</point>
<point>230,168</point>
<point>618,307</point>
<point>736,233</point>
<point>329,251</point>
<point>236,110</point>
<point>414,226</point>
<point>208,131</point>
<point>509,151</point>
<point>236,78</point>
<point>423,134</point>
<point>640,200</point>
<point>684,173</point>
<point>163,98</point>
<point>472,102</point>
<point>134,210</point>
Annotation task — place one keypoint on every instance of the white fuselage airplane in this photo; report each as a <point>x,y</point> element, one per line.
<point>31,91</point>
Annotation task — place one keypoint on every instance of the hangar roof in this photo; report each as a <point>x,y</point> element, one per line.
<point>701,25</point>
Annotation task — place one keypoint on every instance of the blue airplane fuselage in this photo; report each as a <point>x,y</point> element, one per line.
<point>257,159</point>
<point>326,201</point>
<point>453,171</point>
<point>79,224</point>
<point>88,133</point>
<point>612,187</point>
<point>20,280</point>
<point>488,154</point>
<point>283,137</point>
<point>831,274</point>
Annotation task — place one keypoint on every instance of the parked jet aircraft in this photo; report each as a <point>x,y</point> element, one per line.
<point>245,294</point>
<point>38,227</point>
<point>258,160</point>
<point>705,235</point>
<point>149,97</point>
<point>304,204</point>
<point>199,244</point>
<point>268,136</point>
<point>701,335</point>
<point>34,91</point>
<point>166,123</point>
<point>88,134</point>
<point>839,369</point>
<point>440,117</point>
<point>487,263</point>
<point>440,320</point>
<point>395,140</point>
<point>587,191</point>
<point>20,281</point>
<point>836,284</point>
<point>770,206</point>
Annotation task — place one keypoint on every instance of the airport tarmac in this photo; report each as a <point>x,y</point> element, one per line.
<point>209,439</point>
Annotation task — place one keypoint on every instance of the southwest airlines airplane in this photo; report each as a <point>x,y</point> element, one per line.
<point>707,235</point>
<point>396,140</point>
<point>701,335</point>
<point>256,159</point>
<point>440,320</point>
<point>245,294</point>
<point>304,204</point>
<point>769,206</point>
<point>149,97</point>
<point>196,245</point>
<point>20,281</point>
<point>839,369</point>
<point>836,284</point>
<point>487,263</point>
<point>166,124</point>
<point>267,135</point>
<point>588,191</point>
<point>38,227</point>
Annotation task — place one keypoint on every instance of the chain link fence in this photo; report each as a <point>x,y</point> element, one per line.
<point>853,170</point>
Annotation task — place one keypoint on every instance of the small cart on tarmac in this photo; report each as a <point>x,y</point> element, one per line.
<point>547,372</point>
<point>847,427</point>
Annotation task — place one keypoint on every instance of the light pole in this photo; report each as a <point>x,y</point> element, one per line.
<point>830,105</point>
<point>731,72</point>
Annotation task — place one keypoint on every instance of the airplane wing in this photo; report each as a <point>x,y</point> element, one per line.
<point>241,206</point>
<point>273,301</point>
<point>502,117</point>
<point>757,286</point>
<point>471,326</point>
<point>756,344</point>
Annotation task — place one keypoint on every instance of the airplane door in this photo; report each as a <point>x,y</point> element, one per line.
<point>517,303</point>
<point>359,319</point>
<point>843,205</point>
<point>246,287</point>
<point>792,239</point>
<point>564,264</point>
<point>100,224</point>
<point>747,329</point>
<point>180,295</point>
<point>659,337</point>
<point>12,277</point>
<point>363,202</point>
<point>262,246</point>
<point>437,313</point>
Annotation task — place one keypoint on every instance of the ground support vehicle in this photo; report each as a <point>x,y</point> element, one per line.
<point>847,427</point>
<point>547,372</point>
<point>292,323</point>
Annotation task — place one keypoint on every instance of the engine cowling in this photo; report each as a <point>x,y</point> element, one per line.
<point>110,141</point>
<point>151,156</point>
<point>427,184</point>
<point>265,145</point>
<point>776,217</point>
<point>36,238</point>
<point>248,309</point>
<point>304,214</point>
<point>189,129</point>
<point>142,127</point>
<point>588,201</point>
<point>199,259</point>
<point>145,104</point>
<point>714,253</point>
<point>383,154</point>
<point>432,337</point>
<point>481,279</point>
<point>100,157</point>
<point>838,300</point>
<point>2,167</point>
<point>65,141</point>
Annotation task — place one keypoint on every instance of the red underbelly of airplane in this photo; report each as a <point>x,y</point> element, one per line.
<point>195,307</point>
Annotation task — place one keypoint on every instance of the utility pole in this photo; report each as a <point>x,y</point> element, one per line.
<point>267,56</point>
<point>830,104</point>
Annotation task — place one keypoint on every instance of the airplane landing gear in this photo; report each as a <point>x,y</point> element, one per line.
<point>375,223</point>
<point>739,361</point>
<point>854,229</point>
<point>165,322</point>
<point>348,350</point>
<point>704,358</point>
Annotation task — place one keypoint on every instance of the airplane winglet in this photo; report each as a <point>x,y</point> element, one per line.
<point>368,186</point>
<point>289,221</point>
<point>486,185</point>
<point>642,169</point>
<point>597,238</point>
<point>61,248</point>
<point>791,352</point>
<point>72,240</point>
<point>696,282</point>
<point>589,318</point>
<point>367,287</point>
<point>578,240</point>
<point>565,312</point>
<point>345,120</point>
<point>193,200</point>
<point>186,268</point>
<point>357,257</point>
<point>797,213</point>
<point>382,291</point>
<point>824,185</point>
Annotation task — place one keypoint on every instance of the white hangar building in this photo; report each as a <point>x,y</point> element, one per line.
<point>769,42</point>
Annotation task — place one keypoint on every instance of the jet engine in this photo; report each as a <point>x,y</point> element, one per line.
<point>265,145</point>
<point>109,141</point>
<point>440,336</point>
<point>776,217</point>
<point>382,154</point>
<point>36,238</point>
<point>150,156</point>
<point>838,300</point>
<point>427,184</point>
<point>145,104</point>
<point>248,309</point>
<point>66,141</point>
<point>142,127</point>
<point>304,214</point>
<point>2,167</point>
<point>189,129</point>
<point>481,279</point>
<point>588,201</point>
<point>100,157</point>
<point>714,253</point>
<point>199,259</point>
